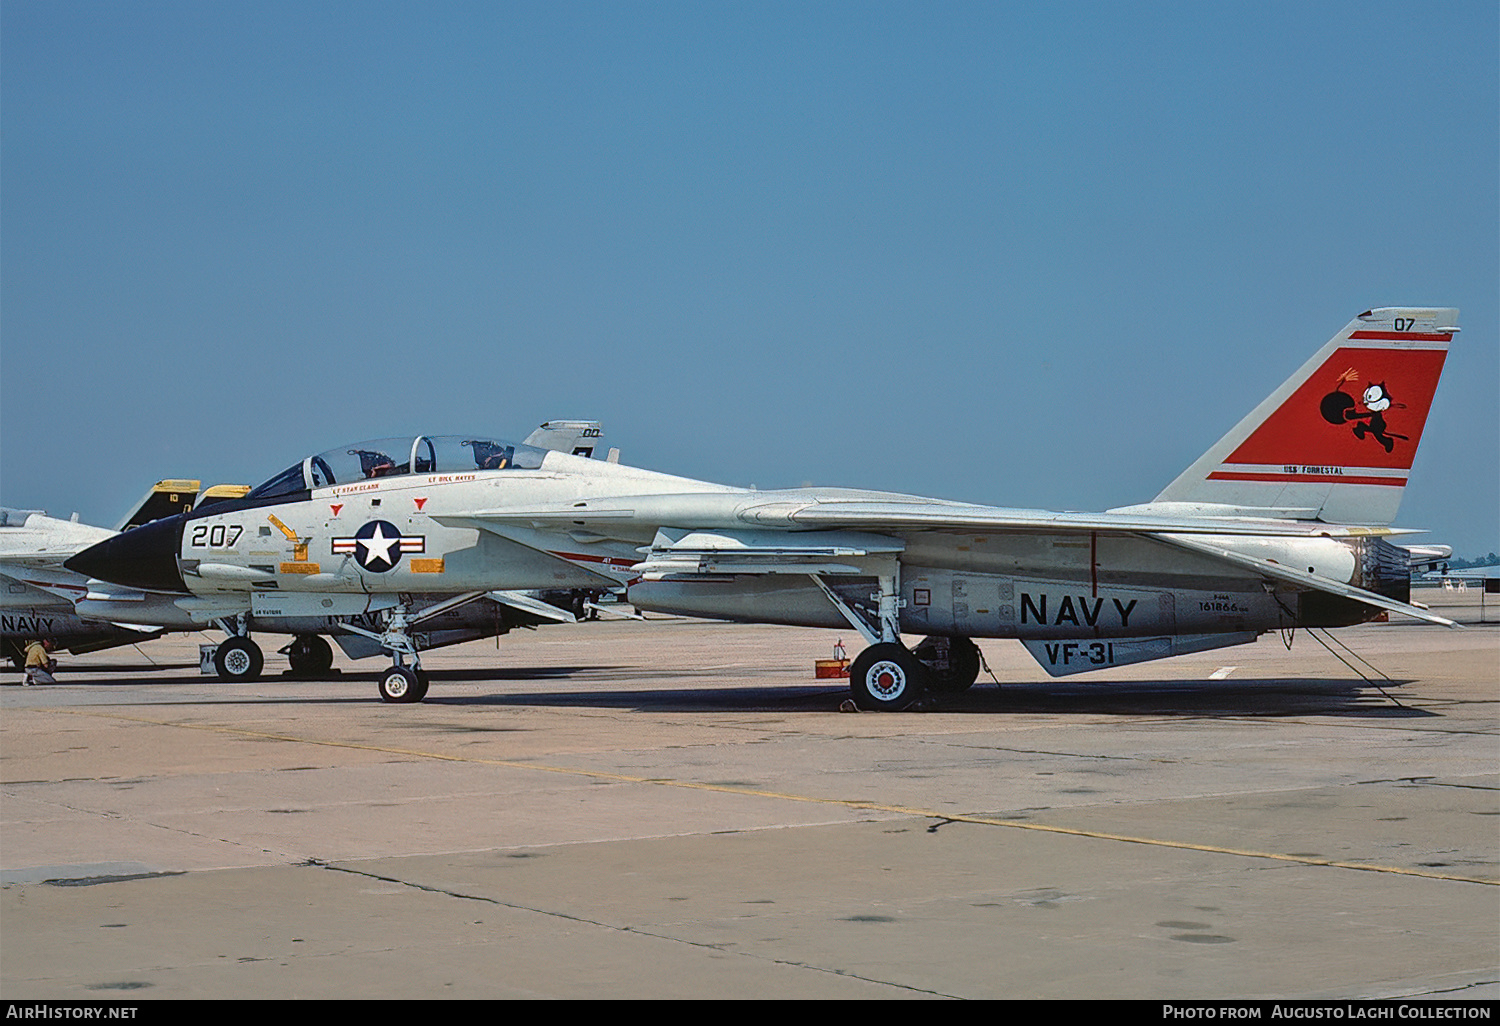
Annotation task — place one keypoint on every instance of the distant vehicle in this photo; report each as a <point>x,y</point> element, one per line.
<point>1283,522</point>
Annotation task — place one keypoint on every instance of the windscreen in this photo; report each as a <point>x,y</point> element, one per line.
<point>393,457</point>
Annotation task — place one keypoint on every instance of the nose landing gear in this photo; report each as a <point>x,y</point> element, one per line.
<point>403,684</point>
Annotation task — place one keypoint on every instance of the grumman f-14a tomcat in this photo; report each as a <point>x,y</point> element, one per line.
<point>86,614</point>
<point>1283,522</point>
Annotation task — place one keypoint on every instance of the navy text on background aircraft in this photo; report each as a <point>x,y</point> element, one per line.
<point>39,596</point>
<point>1282,523</point>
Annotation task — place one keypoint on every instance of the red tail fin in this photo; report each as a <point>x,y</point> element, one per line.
<point>1339,436</point>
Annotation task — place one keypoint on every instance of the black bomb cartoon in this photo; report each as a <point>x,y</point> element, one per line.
<point>1339,407</point>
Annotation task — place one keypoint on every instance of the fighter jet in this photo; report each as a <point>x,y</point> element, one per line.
<point>103,607</point>
<point>1282,523</point>
<point>1427,557</point>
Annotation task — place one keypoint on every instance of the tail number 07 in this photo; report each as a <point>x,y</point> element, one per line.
<point>218,536</point>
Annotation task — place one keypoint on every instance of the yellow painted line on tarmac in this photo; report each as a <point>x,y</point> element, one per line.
<point>866,806</point>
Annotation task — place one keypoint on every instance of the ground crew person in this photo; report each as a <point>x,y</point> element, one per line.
<point>39,663</point>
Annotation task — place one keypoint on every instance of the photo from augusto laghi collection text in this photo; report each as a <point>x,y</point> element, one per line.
<point>1330,1010</point>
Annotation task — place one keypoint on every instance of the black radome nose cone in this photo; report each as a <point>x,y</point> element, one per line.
<point>144,557</point>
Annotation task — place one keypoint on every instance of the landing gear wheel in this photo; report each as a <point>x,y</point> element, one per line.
<point>310,655</point>
<point>239,660</point>
<point>399,684</point>
<point>886,677</point>
<point>953,670</point>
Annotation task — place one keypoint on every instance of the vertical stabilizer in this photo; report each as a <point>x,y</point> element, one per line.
<point>575,437</point>
<point>1337,437</point>
<point>164,499</point>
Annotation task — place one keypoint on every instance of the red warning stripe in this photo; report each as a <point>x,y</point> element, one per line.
<point>618,562</point>
<point>1404,336</point>
<point>1230,475</point>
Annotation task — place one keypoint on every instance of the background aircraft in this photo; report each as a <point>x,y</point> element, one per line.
<point>1472,573</point>
<point>1281,523</point>
<point>39,593</point>
<point>1427,557</point>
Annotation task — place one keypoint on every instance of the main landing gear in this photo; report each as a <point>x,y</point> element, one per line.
<point>238,659</point>
<point>310,655</point>
<point>952,664</point>
<point>887,676</point>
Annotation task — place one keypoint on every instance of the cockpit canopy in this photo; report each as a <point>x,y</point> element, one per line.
<point>392,457</point>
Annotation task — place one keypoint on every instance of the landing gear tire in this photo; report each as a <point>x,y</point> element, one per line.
<point>953,670</point>
<point>239,660</point>
<point>400,684</point>
<point>310,655</point>
<point>886,677</point>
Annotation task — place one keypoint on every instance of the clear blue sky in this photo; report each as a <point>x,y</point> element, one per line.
<point>1032,254</point>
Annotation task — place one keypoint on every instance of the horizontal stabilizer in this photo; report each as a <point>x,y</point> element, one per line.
<point>1303,579</point>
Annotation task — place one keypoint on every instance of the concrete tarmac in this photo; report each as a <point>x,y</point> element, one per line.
<point>678,809</point>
